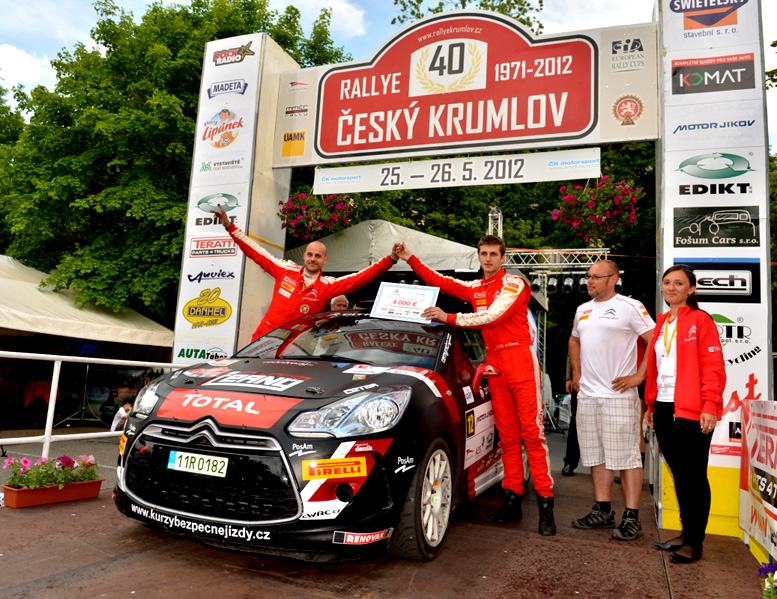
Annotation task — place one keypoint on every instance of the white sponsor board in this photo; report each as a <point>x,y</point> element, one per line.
<point>209,294</point>
<point>703,24</point>
<point>452,172</point>
<point>720,125</point>
<point>479,433</point>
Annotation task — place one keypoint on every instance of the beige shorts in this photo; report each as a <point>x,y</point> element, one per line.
<point>608,431</point>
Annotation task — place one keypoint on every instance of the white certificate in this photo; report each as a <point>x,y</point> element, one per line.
<point>404,302</point>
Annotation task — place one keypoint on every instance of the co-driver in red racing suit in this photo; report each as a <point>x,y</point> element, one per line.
<point>291,297</point>
<point>501,303</point>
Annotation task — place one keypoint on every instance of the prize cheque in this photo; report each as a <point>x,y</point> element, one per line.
<point>404,302</point>
<point>452,172</point>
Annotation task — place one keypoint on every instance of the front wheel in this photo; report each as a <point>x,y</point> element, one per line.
<point>423,524</point>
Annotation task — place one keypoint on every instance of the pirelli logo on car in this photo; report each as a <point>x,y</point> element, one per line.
<point>340,468</point>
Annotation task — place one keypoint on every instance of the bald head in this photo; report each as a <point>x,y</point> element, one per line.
<point>315,257</point>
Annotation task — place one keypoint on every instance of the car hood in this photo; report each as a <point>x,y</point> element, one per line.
<point>262,393</point>
<point>301,379</point>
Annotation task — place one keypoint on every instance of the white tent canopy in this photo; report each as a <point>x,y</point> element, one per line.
<point>26,307</point>
<point>359,246</point>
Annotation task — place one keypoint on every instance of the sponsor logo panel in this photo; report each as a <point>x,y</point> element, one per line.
<point>199,354</point>
<point>353,467</point>
<point>717,227</point>
<point>208,309</point>
<point>357,538</point>
<point>239,409</point>
<point>713,74</point>
<point>627,54</point>
<point>212,247</point>
<point>726,282</point>
<point>232,55</point>
<point>223,128</point>
<point>258,380</point>
<point>293,144</point>
<point>700,127</point>
<point>234,86</point>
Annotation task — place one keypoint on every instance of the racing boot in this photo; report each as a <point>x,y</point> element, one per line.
<point>547,523</point>
<point>510,510</point>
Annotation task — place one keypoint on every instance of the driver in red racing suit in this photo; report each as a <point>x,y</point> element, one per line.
<point>501,303</point>
<point>300,290</point>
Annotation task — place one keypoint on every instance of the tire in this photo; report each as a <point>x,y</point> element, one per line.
<point>423,524</point>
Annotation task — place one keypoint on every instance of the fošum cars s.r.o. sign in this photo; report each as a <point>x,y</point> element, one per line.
<point>460,82</point>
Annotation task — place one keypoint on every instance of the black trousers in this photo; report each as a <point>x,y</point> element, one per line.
<point>687,452</point>
<point>572,456</point>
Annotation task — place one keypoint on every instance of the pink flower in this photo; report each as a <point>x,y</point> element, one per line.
<point>576,222</point>
<point>65,461</point>
<point>26,463</point>
<point>302,195</point>
<point>41,461</point>
<point>304,207</point>
<point>334,217</point>
<point>578,187</point>
<point>590,204</point>
<point>555,214</point>
<point>606,177</point>
<point>562,189</point>
<point>8,462</point>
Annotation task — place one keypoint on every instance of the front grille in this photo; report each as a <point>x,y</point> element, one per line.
<point>258,486</point>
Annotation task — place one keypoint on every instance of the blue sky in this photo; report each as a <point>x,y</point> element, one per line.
<point>33,32</point>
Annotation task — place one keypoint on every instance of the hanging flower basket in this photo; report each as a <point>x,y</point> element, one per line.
<point>17,498</point>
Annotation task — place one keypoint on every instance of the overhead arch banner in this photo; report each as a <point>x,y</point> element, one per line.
<point>471,81</point>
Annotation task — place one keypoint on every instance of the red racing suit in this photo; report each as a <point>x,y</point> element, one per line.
<point>501,311</point>
<point>291,299</point>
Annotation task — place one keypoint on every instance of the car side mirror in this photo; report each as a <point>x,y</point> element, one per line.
<point>481,371</point>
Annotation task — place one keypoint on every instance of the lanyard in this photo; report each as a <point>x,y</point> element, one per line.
<point>668,347</point>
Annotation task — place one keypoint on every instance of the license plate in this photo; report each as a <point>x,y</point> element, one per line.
<point>197,464</point>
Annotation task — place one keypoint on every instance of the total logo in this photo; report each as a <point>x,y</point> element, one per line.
<point>716,165</point>
<point>233,55</point>
<point>222,129</point>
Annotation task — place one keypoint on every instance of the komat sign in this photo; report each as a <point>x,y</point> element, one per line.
<point>467,82</point>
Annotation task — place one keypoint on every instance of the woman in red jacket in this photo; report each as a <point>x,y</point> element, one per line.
<point>684,395</point>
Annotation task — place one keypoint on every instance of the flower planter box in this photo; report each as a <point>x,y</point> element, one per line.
<point>17,498</point>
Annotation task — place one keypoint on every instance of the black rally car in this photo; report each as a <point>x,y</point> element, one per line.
<point>336,436</point>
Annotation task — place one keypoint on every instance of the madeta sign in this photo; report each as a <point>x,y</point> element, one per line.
<point>459,82</point>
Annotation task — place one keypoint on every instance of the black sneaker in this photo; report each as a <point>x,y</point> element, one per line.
<point>567,470</point>
<point>628,530</point>
<point>595,519</point>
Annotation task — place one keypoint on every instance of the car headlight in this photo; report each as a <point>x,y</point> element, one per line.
<point>146,399</point>
<point>362,414</point>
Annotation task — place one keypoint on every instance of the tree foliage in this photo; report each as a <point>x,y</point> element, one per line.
<point>520,10</point>
<point>96,186</point>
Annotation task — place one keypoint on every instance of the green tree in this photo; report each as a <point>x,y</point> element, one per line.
<point>520,10</point>
<point>11,122</point>
<point>96,186</point>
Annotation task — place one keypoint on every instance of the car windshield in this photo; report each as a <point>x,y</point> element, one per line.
<point>351,337</point>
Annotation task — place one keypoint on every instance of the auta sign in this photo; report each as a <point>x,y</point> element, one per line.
<point>459,82</point>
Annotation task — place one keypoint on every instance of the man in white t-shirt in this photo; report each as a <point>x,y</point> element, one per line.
<point>603,353</point>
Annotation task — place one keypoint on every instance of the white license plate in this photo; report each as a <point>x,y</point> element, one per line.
<point>198,464</point>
